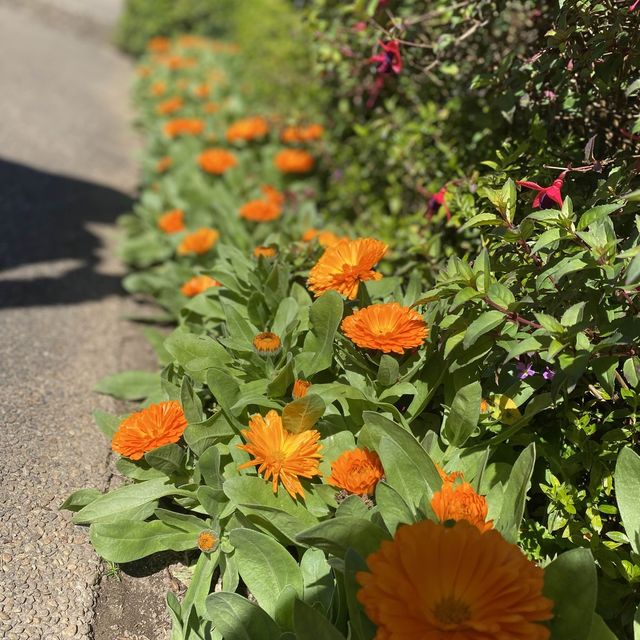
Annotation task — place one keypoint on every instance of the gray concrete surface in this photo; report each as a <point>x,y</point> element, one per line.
<point>67,169</point>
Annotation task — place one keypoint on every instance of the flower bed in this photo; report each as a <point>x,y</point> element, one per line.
<point>347,454</point>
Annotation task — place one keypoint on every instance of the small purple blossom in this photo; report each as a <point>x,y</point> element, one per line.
<point>525,370</point>
<point>548,373</point>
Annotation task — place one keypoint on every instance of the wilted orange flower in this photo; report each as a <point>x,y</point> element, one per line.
<point>344,265</point>
<point>172,221</point>
<point>207,541</point>
<point>216,161</point>
<point>302,134</point>
<point>267,343</point>
<point>164,164</point>
<point>448,477</point>
<point>211,107</point>
<point>260,211</point>
<point>265,252</point>
<point>183,127</point>
<point>158,89</point>
<point>453,582</point>
<point>197,285</point>
<point>300,388</point>
<point>387,327</point>
<point>199,241</point>
<point>325,238</point>
<point>159,44</point>
<point>458,501</point>
<point>272,194</point>
<point>281,455</point>
<point>293,161</point>
<point>148,429</point>
<point>247,129</point>
<point>170,106</point>
<point>357,471</point>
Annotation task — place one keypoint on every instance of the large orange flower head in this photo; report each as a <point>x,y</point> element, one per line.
<point>198,242</point>
<point>387,327</point>
<point>357,471</point>
<point>184,127</point>
<point>458,501</point>
<point>247,129</point>
<point>260,211</point>
<point>217,161</point>
<point>171,221</point>
<point>197,285</point>
<point>294,161</point>
<point>280,455</point>
<point>343,266</point>
<point>437,582</point>
<point>170,106</point>
<point>153,427</point>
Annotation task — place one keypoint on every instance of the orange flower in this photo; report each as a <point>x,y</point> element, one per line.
<point>458,501</point>
<point>293,161</point>
<point>247,129</point>
<point>144,72</point>
<point>325,238</point>
<point>170,106</point>
<point>272,194</point>
<point>387,327</point>
<point>197,285</point>
<point>302,134</point>
<point>153,427</point>
<point>260,211</point>
<point>452,582</point>
<point>189,41</point>
<point>449,477</point>
<point>265,252</point>
<point>184,127</point>
<point>159,44</point>
<point>199,241</point>
<point>172,221</point>
<point>267,343</point>
<point>279,454</point>
<point>216,161</point>
<point>211,107</point>
<point>202,90</point>
<point>357,471</point>
<point>164,164</point>
<point>207,541</point>
<point>300,388</point>
<point>343,266</point>
<point>158,89</point>
<point>176,62</point>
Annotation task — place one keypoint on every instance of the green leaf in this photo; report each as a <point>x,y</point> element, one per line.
<point>238,619</point>
<point>401,473</point>
<point>337,535</point>
<point>627,481</point>
<point>515,495</point>
<point>129,385</point>
<point>597,213</point>
<point>310,624</point>
<point>463,415</point>
<point>571,582</point>
<point>169,459</point>
<point>600,630</point>
<point>107,422</point>
<point>191,403</point>
<point>632,275</point>
<point>317,578</point>
<point>265,566</point>
<point>388,370</point>
<point>484,323</point>
<point>282,380</point>
<point>196,353</point>
<point>482,219</point>
<point>393,508</point>
<point>361,627</point>
<point>224,387</point>
<point>303,413</point>
<point>79,499</point>
<point>128,540</point>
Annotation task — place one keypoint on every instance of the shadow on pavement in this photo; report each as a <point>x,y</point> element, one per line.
<point>44,219</point>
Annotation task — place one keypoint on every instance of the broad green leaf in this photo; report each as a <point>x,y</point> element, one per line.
<point>282,380</point>
<point>310,624</point>
<point>191,403</point>
<point>79,499</point>
<point>484,323</point>
<point>600,630</point>
<point>317,579</point>
<point>463,415</point>
<point>401,473</point>
<point>393,509</point>
<point>303,413</point>
<point>169,459</point>
<point>388,370</point>
<point>129,385</point>
<point>627,482</point>
<point>107,422</point>
<point>597,213</point>
<point>196,353</point>
<point>361,627</point>
<point>337,535</point>
<point>238,619</point>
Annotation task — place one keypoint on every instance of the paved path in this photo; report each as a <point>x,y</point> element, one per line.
<point>67,169</point>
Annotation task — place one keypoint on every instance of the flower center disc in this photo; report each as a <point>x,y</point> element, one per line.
<point>450,610</point>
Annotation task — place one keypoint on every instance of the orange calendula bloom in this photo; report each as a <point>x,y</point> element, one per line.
<point>211,107</point>
<point>202,90</point>
<point>300,388</point>
<point>158,89</point>
<point>183,127</point>
<point>217,161</point>
<point>442,582</point>
<point>324,238</point>
<point>199,241</point>
<point>159,44</point>
<point>164,164</point>
<point>302,134</point>
<point>172,221</point>
<point>357,471</point>
<point>267,343</point>
<point>207,541</point>
<point>148,429</point>
<point>280,455</point>
<point>458,501</point>
<point>265,252</point>
<point>449,477</point>
<point>247,129</point>
<point>387,327</point>
<point>343,266</point>
<point>170,106</point>
<point>260,211</point>
<point>197,285</point>
<point>272,194</point>
<point>294,161</point>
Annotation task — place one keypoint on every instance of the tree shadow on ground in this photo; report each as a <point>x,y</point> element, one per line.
<point>45,239</point>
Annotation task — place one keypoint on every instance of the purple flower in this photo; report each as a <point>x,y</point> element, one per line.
<point>525,370</point>
<point>548,373</point>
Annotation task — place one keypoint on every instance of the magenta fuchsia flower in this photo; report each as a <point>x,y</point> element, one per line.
<point>436,201</point>
<point>634,5</point>
<point>546,195</point>
<point>389,62</point>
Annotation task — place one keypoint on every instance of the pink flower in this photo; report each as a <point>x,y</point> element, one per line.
<point>359,26</point>
<point>546,195</point>
<point>436,201</point>
<point>389,60</point>
<point>634,5</point>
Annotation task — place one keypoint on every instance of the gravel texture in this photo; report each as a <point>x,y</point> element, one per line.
<point>67,169</point>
